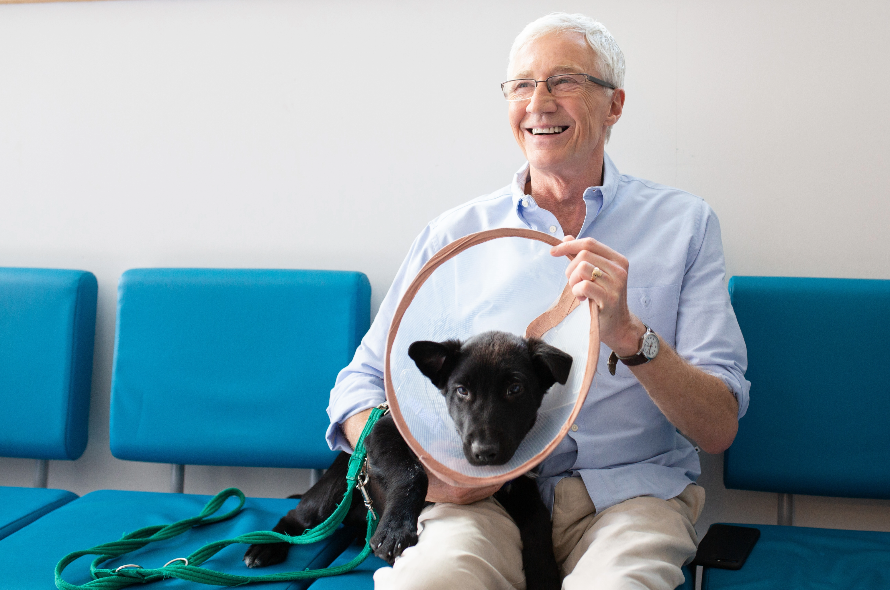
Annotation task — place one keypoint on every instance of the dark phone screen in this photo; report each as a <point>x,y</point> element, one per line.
<point>726,546</point>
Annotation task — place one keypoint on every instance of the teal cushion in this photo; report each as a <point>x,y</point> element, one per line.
<point>22,506</point>
<point>689,582</point>
<point>47,329</point>
<point>818,420</point>
<point>787,558</point>
<point>231,366</point>
<point>361,578</point>
<point>29,556</point>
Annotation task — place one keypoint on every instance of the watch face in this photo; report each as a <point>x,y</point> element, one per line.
<point>650,345</point>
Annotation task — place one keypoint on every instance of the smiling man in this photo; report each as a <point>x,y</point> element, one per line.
<point>621,486</point>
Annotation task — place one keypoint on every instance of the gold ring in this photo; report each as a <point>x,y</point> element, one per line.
<point>597,273</point>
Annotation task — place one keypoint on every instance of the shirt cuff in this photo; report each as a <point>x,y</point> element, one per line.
<point>334,436</point>
<point>739,389</point>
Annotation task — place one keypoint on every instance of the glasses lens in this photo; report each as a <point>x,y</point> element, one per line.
<point>566,84</point>
<point>518,89</point>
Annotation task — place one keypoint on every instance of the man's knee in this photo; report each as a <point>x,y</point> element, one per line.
<point>447,570</point>
<point>640,543</point>
<point>464,547</point>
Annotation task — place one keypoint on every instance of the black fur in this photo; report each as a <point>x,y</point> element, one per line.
<point>493,386</point>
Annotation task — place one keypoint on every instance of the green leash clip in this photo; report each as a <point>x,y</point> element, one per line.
<point>188,568</point>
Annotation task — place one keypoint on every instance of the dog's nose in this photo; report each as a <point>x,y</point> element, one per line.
<point>485,451</point>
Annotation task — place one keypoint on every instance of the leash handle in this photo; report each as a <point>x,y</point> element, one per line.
<point>188,568</point>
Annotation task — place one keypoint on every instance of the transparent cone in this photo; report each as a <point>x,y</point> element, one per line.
<point>522,290</point>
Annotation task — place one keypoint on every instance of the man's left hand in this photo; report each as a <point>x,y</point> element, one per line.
<point>620,330</point>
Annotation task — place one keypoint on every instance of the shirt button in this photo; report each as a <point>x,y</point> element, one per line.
<point>574,428</point>
<point>525,202</point>
<point>552,229</point>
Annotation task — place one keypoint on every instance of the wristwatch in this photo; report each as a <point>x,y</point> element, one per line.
<point>648,351</point>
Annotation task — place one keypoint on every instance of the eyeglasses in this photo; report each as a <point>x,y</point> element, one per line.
<point>559,85</point>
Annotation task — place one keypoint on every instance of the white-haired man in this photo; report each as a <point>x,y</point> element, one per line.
<point>621,485</point>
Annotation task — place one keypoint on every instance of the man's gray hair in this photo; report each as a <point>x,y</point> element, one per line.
<point>608,54</point>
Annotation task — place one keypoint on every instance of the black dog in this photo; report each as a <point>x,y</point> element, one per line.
<point>493,386</point>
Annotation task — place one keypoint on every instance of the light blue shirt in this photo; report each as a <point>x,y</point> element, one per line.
<point>623,447</point>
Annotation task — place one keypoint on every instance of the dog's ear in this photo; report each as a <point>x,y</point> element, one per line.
<point>435,360</point>
<point>551,364</point>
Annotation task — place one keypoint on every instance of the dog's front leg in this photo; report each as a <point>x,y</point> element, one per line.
<point>398,485</point>
<point>522,501</point>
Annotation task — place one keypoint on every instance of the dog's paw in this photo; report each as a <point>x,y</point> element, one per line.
<point>265,554</point>
<point>392,538</point>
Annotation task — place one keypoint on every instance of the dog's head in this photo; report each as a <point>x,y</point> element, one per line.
<point>493,386</point>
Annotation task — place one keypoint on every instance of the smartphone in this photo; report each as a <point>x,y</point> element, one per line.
<point>726,546</point>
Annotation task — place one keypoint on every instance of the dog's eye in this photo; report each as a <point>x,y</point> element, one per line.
<point>514,389</point>
<point>461,391</point>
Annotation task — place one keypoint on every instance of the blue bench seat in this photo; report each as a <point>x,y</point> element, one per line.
<point>211,367</point>
<point>361,578</point>
<point>800,557</point>
<point>817,425</point>
<point>22,506</point>
<point>30,556</point>
<point>47,331</point>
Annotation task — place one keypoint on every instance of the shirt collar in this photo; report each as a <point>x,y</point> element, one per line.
<point>517,188</point>
<point>608,189</point>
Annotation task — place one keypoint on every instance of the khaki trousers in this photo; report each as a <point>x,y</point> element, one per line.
<point>640,543</point>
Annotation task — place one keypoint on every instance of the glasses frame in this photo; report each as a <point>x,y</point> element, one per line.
<point>589,78</point>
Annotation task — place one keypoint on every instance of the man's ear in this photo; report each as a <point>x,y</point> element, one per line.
<point>435,360</point>
<point>551,364</point>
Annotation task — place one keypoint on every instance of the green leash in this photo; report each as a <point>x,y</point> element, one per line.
<point>188,568</point>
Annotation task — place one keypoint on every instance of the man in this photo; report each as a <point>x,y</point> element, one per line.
<point>620,486</point>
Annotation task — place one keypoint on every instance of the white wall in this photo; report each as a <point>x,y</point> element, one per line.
<point>309,134</point>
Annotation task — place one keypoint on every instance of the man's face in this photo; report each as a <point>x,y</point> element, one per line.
<point>580,120</point>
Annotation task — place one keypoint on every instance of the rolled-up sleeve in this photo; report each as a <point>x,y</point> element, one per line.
<point>708,334</point>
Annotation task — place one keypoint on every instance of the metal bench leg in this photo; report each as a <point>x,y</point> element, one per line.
<point>177,479</point>
<point>41,473</point>
<point>786,510</point>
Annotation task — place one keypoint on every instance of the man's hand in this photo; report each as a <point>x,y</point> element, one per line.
<point>439,491</point>
<point>697,403</point>
<point>620,330</point>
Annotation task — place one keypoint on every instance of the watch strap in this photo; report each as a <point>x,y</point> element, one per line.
<point>633,360</point>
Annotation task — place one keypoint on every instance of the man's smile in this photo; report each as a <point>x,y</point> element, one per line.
<point>547,130</point>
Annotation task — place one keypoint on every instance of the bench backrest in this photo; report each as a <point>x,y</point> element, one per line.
<point>231,366</point>
<point>818,362</point>
<point>47,331</point>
